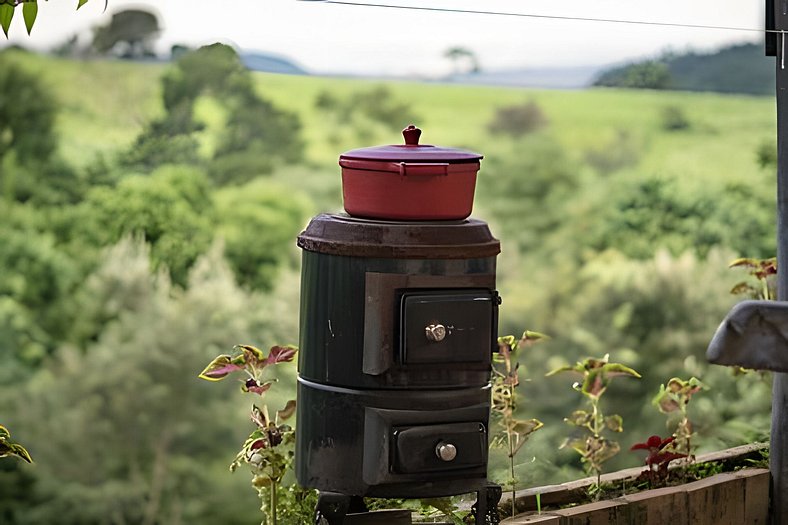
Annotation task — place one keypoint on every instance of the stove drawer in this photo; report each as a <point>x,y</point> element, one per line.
<point>439,448</point>
<point>447,326</point>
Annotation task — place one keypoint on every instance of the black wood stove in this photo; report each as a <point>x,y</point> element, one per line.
<point>398,326</point>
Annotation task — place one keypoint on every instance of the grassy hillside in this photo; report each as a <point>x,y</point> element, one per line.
<point>105,104</point>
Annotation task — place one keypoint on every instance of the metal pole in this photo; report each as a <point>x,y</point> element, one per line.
<point>778,459</point>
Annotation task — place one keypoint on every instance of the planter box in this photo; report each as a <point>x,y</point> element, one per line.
<point>731,498</point>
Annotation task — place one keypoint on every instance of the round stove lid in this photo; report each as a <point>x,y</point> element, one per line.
<point>412,151</point>
<point>351,236</point>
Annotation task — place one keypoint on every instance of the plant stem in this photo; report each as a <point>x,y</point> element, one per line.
<point>511,466</point>
<point>273,503</point>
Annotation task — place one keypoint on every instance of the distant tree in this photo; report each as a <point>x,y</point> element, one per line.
<point>674,118</point>
<point>255,136</point>
<point>366,114</point>
<point>518,120</point>
<point>644,75</point>
<point>170,208</point>
<point>125,432</point>
<point>463,60</point>
<point>27,115</point>
<point>129,34</point>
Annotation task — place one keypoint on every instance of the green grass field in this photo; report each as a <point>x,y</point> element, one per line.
<point>106,103</point>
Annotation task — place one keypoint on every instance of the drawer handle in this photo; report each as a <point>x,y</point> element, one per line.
<point>435,332</point>
<point>446,451</point>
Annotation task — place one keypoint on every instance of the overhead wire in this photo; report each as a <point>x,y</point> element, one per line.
<point>549,17</point>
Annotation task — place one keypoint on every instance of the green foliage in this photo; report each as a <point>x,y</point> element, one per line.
<point>269,449</point>
<point>505,378</point>
<point>133,29</point>
<point>122,428</point>
<point>674,118</point>
<point>738,68</point>
<point>170,208</point>
<point>764,271</point>
<point>518,120</point>
<point>29,12</point>
<point>526,188</point>
<point>621,151</point>
<point>644,75</point>
<point>258,222</point>
<point>10,449</point>
<point>767,154</point>
<point>255,135</point>
<point>27,119</point>
<point>639,214</point>
<point>365,115</point>
<point>673,398</point>
<point>594,448</point>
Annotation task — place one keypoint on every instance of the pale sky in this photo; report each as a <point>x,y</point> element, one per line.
<point>329,38</point>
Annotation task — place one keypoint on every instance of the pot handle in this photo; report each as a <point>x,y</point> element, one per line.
<point>423,168</point>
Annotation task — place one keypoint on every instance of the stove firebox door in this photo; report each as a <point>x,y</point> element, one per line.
<point>435,448</point>
<point>447,326</point>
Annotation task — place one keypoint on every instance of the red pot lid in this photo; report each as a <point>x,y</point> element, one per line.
<point>412,151</point>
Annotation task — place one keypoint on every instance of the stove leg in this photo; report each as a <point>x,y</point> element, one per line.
<point>332,508</point>
<point>485,510</point>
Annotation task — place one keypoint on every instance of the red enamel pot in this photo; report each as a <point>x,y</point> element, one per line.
<point>412,181</point>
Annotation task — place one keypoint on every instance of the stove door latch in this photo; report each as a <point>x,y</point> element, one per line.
<point>446,451</point>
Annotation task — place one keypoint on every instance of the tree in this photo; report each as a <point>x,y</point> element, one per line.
<point>170,208</point>
<point>462,55</point>
<point>27,114</point>
<point>255,136</point>
<point>123,431</point>
<point>258,222</point>
<point>130,34</point>
<point>644,75</point>
<point>518,120</point>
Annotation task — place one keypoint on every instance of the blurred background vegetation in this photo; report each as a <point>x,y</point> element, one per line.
<point>149,215</point>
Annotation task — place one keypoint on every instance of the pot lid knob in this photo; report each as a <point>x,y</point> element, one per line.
<point>411,134</point>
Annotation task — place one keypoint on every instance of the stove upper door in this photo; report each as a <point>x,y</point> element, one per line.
<point>447,326</point>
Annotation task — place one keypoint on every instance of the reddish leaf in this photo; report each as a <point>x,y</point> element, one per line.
<point>280,354</point>
<point>219,368</point>
<point>255,387</point>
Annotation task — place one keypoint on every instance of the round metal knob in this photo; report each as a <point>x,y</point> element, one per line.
<point>446,451</point>
<point>435,332</point>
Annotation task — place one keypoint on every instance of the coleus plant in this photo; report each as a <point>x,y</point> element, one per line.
<point>762,270</point>
<point>673,399</point>
<point>8,448</point>
<point>592,445</point>
<point>505,379</point>
<point>660,454</point>
<point>269,449</point>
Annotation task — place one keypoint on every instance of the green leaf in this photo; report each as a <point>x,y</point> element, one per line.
<point>30,12</point>
<point>615,423</point>
<point>251,353</point>
<point>4,433</point>
<point>617,369</point>
<point>6,15</point>
<point>742,288</point>
<point>745,261</point>
<point>13,449</point>
<point>579,418</point>
<point>563,369</point>
<point>81,3</point>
